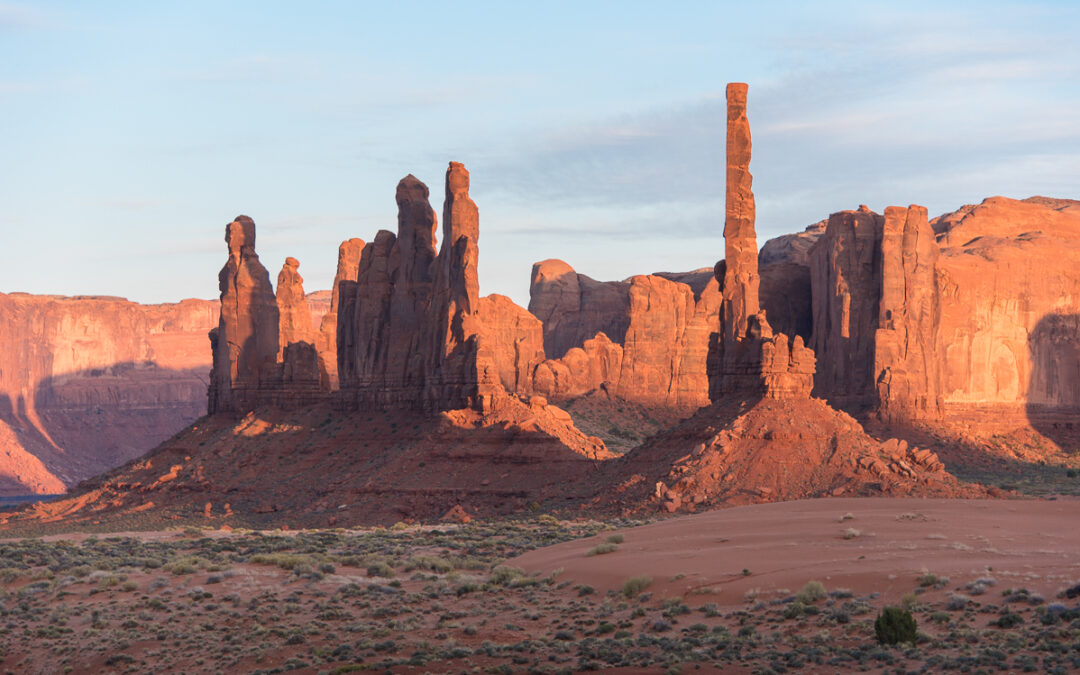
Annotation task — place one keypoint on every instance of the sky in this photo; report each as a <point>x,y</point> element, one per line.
<point>131,133</point>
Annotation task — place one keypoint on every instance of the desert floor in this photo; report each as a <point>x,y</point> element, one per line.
<point>993,585</point>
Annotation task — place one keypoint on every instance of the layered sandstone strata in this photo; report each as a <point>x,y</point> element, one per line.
<point>87,383</point>
<point>574,307</point>
<point>1009,336</point>
<point>659,344</point>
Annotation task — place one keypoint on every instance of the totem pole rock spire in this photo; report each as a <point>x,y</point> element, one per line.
<point>741,279</point>
<point>752,359</point>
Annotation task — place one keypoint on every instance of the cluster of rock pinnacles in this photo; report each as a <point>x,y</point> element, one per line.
<point>407,327</point>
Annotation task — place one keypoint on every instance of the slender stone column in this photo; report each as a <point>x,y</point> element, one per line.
<point>741,279</point>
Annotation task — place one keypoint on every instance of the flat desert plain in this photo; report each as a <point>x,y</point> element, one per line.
<point>771,588</point>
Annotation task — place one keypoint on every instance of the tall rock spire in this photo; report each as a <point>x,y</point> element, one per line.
<point>741,279</point>
<point>752,361</point>
<point>245,343</point>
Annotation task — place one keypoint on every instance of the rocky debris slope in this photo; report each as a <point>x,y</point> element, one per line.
<point>744,452</point>
<point>400,467</point>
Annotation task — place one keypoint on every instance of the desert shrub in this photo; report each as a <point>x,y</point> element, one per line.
<point>467,587</point>
<point>909,601</point>
<point>635,585</point>
<point>183,566</point>
<point>286,561</point>
<point>615,539</point>
<point>895,625</point>
<point>380,569</point>
<point>930,579</point>
<point>429,562</point>
<point>505,575</point>
<point>1008,620</point>
<point>852,533</point>
<point>675,607</point>
<point>601,549</point>
<point>811,593</point>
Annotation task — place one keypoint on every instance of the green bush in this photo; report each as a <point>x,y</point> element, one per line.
<point>895,625</point>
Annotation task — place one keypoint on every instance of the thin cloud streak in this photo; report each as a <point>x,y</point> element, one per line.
<point>878,130</point>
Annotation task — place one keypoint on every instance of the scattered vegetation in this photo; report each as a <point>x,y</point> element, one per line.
<point>451,598</point>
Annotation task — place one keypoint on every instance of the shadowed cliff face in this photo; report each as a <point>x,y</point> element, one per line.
<point>88,383</point>
<point>1053,392</point>
<point>76,425</point>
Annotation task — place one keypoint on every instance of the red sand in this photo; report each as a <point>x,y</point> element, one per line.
<point>1021,544</point>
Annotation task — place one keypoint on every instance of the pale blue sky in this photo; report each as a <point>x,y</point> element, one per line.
<point>132,132</point>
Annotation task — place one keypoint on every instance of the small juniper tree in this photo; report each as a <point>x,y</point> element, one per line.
<point>895,625</point>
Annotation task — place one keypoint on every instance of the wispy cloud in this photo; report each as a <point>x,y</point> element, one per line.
<point>913,115</point>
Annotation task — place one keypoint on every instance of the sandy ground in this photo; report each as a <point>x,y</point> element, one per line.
<point>725,594</point>
<point>866,545</point>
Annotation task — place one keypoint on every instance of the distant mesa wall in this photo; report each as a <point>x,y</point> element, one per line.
<point>644,340</point>
<point>572,306</point>
<point>87,383</point>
